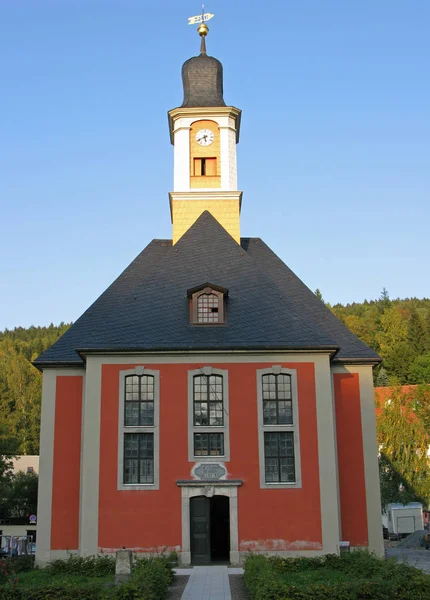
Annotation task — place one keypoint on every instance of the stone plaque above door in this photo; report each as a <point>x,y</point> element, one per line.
<point>209,471</point>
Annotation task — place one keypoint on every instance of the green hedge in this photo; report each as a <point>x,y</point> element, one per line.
<point>366,578</point>
<point>92,566</point>
<point>149,581</point>
<point>54,592</point>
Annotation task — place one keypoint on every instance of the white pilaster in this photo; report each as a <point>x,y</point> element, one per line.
<point>46,467</point>
<point>90,465</point>
<point>371,467</point>
<point>327,457</point>
<point>181,179</point>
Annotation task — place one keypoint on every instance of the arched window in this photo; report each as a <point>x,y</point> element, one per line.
<point>278,428</point>
<point>208,421</point>
<point>207,304</point>
<point>208,308</point>
<point>139,417</point>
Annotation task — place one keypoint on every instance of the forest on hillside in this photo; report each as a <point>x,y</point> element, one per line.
<point>399,330</point>
<point>21,386</point>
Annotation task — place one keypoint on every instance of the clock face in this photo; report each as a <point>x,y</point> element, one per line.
<point>205,137</point>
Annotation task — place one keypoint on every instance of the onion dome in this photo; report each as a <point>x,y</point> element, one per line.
<point>202,77</point>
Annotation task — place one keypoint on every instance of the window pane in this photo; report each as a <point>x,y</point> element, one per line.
<point>288,471</point>
<point>216,414</point>
<point>132,387</point>
<point>147,413</point>
<point>146,471</point>
<point>277,400</point>
<point>146,446</point>
<point>208,444</point>
<point>201,414</point>
<point>131,471</point>
<point>200,444</point>
<point>216,442</point>
<point>271,444</point>
<point>271,470</point>
<point>285,414</point>
<point>279,457</point>
<point>131,418</point>
<point>138,458</point>
<point>212,413</point>
<point>269,413</point>
<point>286,443</point>
<point>131,445</point>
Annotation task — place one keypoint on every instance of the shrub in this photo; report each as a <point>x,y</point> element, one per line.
<point>10,566</point>
<point>54,592</point>
<point>368,578</point>
<point>92,566</point>
<point>150,581</point>
<point>167,561</point>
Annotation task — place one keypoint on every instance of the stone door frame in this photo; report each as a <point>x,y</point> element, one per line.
<point>190,489</point>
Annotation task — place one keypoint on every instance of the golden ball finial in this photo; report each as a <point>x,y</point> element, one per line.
<point>203,29</point>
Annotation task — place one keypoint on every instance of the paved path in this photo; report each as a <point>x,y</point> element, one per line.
<point>416,557</point>
<point>207,583</point>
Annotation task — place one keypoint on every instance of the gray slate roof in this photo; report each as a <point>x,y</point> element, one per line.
<point>146,308</point>
<point>202,79</point>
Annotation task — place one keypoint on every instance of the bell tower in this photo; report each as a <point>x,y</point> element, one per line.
<point>204,133</point>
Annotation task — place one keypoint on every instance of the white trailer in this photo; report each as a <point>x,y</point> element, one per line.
<point>403,519</point>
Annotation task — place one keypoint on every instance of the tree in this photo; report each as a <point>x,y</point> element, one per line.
<point>394,329</point>
<point>319,295</point>
<point>397,361</point>
<point>19,496</point>
<point>417,335</point>
<point>419,370</point>
<point>384,300</point>
<point>420,397</point>
<point>403,441</point>
<point>8,447</point>
<point>22,497</point>
<point>363,328</point>
<point>382,378</point>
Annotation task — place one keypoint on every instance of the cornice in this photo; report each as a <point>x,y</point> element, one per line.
<point>209,195</point>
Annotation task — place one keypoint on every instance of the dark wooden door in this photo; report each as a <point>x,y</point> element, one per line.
<point>200,529</point>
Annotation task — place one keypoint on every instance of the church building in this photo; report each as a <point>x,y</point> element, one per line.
<point>207,402</point>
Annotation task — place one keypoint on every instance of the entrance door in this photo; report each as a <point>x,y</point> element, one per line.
<point>200,529</point>
<point>220,528</point>
<point>209,529</point>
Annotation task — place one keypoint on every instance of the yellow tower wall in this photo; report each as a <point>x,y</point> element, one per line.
<point>225,209</point>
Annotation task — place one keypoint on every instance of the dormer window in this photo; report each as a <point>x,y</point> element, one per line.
<point>207,304</point>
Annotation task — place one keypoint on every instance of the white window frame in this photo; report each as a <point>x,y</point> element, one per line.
<point>262,428</point>
<point>192,429</point>
<point>154,429</point>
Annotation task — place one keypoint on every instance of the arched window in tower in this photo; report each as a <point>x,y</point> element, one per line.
<point>207,304</point>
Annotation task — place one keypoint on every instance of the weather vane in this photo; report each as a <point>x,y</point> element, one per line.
<point>200,18</point>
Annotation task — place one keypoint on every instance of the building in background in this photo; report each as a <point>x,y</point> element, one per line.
<point>208,402</point>
<point>26,464</point>
<point>21,526</point>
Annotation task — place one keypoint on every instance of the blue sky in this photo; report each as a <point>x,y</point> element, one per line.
<point>334,156</point>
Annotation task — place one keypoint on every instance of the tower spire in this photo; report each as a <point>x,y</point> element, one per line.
<point>203,30</point>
